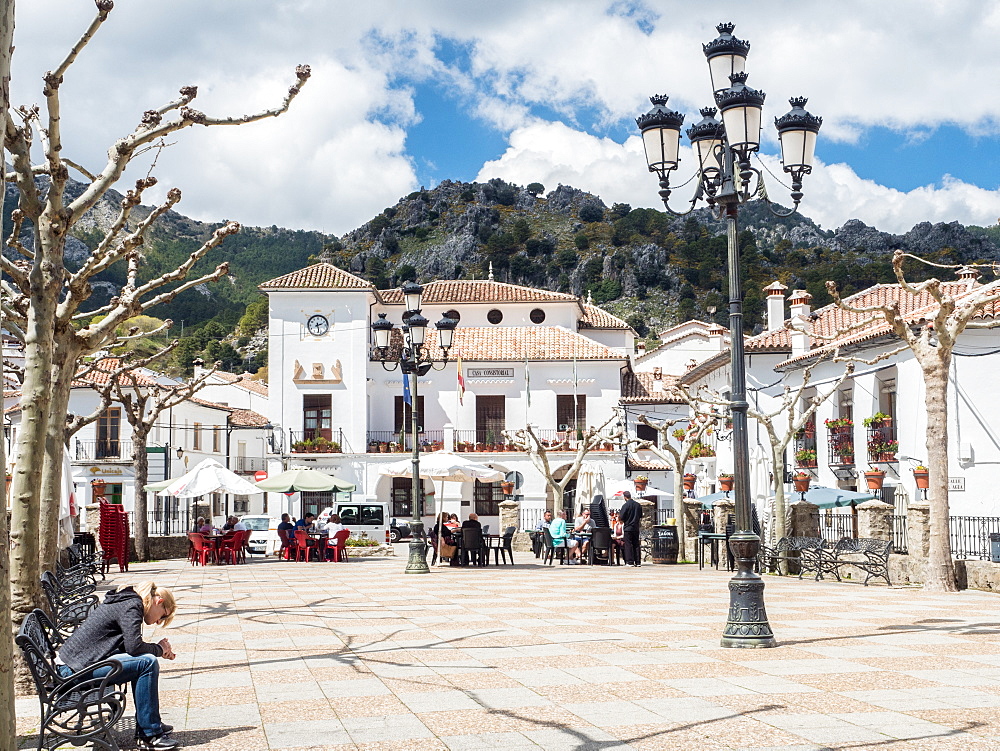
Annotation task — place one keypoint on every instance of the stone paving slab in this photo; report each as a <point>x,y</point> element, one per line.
<point>275,655</point>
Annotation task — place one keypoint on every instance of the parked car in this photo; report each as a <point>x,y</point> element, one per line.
<point>263,534</point>
<point>368,518</point>
<point>399,530</point>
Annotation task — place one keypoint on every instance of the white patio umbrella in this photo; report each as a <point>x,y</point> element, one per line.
<point>589,482</point>
<point>444,466</point>
<point>207,476</point>
<point>616,489</point>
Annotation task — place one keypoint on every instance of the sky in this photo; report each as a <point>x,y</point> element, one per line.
<point>407,94</point>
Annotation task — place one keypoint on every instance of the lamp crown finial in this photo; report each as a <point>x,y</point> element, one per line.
<point>740,77</point>
<point>708,111</point>
<point>726,27</point>
<point>798,101</point>
<point>659,100</point>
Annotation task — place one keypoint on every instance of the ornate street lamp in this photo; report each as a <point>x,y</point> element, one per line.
<point>413,360</point>
<point>726,180</point>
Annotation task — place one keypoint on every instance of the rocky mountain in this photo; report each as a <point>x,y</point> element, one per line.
<point>646,266</point>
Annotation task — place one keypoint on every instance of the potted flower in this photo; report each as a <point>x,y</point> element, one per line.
<point>922,475</point>
<point>507,487</point>
<point>641,481</point>
<point>678,434</point>
<point>839,425</point>
<point>689,481</point>
<point>878,420</point>
<point>875,477</point>
<point>806,457</point>
<point>726,482</point>
<point>801,481</point>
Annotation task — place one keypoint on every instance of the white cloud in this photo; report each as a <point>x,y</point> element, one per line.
<point>553,153</point>
<point>341,154</point>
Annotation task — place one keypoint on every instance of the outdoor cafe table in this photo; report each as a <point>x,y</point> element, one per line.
<point>710,540</point>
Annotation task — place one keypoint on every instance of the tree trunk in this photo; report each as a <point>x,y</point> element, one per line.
<point>64,368</point>
<point>140,460</point>
<point>780,504</point>
<point>940,573</point>
<point>680,514</point>
<point>8,725</point>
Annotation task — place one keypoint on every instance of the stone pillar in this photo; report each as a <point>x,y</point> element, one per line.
<point>94,522</point>
<point>721,510</point>
<point>918,529</point>
<point>510,513</point>
<point>692,515</point>
<point>648,514</point>
<point>875,520</point>
<point>804,522</point>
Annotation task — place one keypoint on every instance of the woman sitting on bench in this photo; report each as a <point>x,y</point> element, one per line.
<point>114,631</point>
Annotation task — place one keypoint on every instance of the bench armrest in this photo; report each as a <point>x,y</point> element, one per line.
<point>83,706</point>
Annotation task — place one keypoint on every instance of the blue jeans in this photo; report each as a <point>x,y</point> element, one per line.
<point>143,672</point>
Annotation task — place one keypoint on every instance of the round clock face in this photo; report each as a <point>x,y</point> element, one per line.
<point>318,325</point>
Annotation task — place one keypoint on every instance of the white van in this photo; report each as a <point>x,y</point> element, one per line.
<point>263,534</point>
<point>368,517</point>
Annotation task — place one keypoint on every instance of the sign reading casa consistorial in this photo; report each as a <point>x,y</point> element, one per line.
<point>490,373</point>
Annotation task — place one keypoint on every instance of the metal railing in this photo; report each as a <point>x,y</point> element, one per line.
<point>529,518</point>
<point>167,519</point>
<point>103,449</point>
<point>492,440</point>
<point>832,527</point>
<point>316,441</point>
<point>970,535</point>
<point>395,442</point>
<point>840,445</point>
<point>899,534</point>
<point>881,442</point>
<point>248,464</point>
<point>663,514</point>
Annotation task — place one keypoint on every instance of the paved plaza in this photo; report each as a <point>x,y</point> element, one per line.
<point>278,655</point>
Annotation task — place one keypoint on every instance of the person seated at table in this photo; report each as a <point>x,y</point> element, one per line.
<point>199,524</point>
<point>233,525</point>
<point>306,522</point>
<point>206,528</point>
<point>333,526</point>
<point>538,532</point>
<point>617,532</point>
<point>114,631</point>
<point>472,522</point>
<point>560,539</point>
<point>453,522</point>
<point>583,526</point>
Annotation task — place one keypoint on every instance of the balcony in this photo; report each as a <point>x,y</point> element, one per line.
<point>316,441</point>
<point>103,450</point>
<point>805,445</point>
<point>840,442</point>
<point>397,442</point>
<point>492,441</point>
<point>882,443</point>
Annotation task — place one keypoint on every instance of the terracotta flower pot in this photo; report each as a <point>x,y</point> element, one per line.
<point>875,479</point>
<point>689,481</point>
<point>801,484</point>
<point>726,483</point>
<point>640,485</point>
<point>507,487</point>
<point>922,476</point>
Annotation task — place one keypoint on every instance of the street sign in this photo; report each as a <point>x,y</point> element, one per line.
<point>956,483</point>
<point>260,475</point>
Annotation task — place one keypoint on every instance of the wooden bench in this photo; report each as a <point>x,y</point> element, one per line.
<point>77,709</point>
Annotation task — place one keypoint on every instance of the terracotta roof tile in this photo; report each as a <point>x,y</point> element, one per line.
<point>247,418</point>
<point>598,318</point>
<point>317,276</point>
<point>644,388</point>
<point>516,343</point>
<point>103,370</point>
<point>248,383</point>
<point>633,462</point>
<point>477,290</point>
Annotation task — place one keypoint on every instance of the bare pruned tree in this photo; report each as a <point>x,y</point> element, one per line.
<point>43,299</point>
<point>931,335</point>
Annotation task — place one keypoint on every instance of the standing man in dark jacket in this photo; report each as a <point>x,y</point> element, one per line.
<point>630,515</point>
<point>114,631</point>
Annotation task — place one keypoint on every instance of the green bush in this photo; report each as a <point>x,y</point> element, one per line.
<point>581,241</point>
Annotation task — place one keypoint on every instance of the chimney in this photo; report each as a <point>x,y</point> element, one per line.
<point>798,304</point>
<point>717,337</point>
<point>640,348</point>
<point>969,275</point>
<point>775,305</point>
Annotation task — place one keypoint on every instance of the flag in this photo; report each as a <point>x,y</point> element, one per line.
<point>406,389</point>
<point>527,381</point>
<point>461,380</point>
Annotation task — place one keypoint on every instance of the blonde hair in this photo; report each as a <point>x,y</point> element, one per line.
<point>148,590</point>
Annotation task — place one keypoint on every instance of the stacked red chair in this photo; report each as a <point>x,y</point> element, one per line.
<point>114,536</point>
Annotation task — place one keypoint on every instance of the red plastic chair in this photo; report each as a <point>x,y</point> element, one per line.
<point>303,545</point>
<point>229,548</point>
<point>338,546</point>
<point>243,545</point>
<point>286,545</point>
<point>201,551</point>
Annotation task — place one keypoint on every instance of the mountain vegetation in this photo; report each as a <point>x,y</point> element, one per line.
<point>649,268</point>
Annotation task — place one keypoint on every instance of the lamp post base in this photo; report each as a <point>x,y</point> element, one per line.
<point>747,627</point>
<point>417,563</point>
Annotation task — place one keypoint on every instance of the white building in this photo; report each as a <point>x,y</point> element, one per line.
<point>529,356</point>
